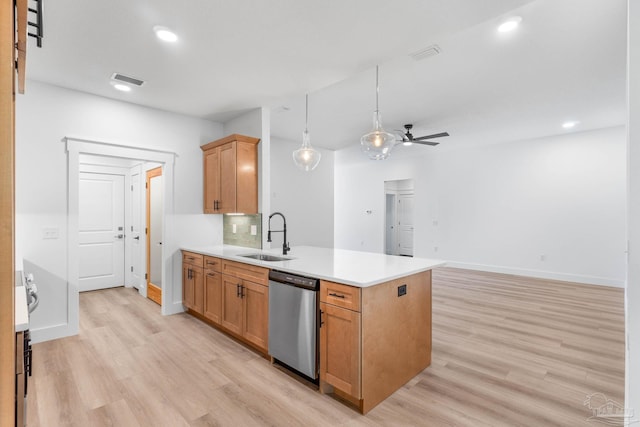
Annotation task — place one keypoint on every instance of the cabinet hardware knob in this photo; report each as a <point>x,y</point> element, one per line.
<point>336,295</point>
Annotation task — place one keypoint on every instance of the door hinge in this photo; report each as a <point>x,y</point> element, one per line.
<point>132,268</point>
<point>146,185</point>
<point>132,228</point>
<point>132,188</point>
<point>145,230</point>
<point>145,276</point>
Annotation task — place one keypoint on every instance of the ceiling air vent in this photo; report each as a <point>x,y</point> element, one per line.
<point>432,50</point>
<point>126,79</point>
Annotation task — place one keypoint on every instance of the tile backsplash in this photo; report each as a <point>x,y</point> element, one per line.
<point>242,235</point>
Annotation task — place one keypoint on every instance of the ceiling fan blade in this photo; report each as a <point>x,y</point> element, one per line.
<point>433,144</point>
<point>435,135</point>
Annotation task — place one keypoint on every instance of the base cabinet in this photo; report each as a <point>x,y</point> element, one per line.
<point>193,282</point>
<point>213,296</point>
<point>374,340</point>
<point>228,294</point>
<point>212,289</point>
<point>340,348</point>
<point>255,321</point>
<point>232,304</point>
<point>245,310</point>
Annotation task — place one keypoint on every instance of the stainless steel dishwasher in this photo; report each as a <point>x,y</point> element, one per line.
<point>293,313</point>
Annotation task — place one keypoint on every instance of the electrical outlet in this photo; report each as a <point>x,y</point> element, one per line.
<point>402,290</point>
<point>234,228</point>
<point>254,230</point>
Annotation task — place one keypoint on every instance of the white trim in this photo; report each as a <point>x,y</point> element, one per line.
<point>51,333</point>
<point>144,153</point>
<point>77,146</point>
<point>541,274</point>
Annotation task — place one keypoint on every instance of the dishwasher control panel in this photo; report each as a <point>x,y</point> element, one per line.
<point>294,279</point>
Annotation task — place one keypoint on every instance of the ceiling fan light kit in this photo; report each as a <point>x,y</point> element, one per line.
<point>306,157</point>
<point>378,143</point>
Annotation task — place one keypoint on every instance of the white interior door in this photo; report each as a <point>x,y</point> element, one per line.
<point>137,230</point>
<point>405,224</point>
<point>390,224</point>
<point>101,228</point>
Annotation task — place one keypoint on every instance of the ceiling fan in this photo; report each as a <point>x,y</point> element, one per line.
<point>408,138</point>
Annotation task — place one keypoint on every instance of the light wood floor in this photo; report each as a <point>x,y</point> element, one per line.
<point>507,350</point>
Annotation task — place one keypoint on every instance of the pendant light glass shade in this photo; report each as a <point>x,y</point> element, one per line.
<point>306,157</point>
<point>378,143</point>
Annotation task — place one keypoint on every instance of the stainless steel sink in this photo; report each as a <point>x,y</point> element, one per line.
<point>265,257</point>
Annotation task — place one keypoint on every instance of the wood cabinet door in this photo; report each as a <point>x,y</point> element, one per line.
<point>198,289</point>
<point>255,327</point>
<point>340,349</point>
<point>231,304</point>
<point>187,287</point>
<point>247,178</point>
<point>213,296</point>
<point>227,170</point>
<point>211,179</point>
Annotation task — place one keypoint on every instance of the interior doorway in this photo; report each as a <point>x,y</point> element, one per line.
<point>76,149</point>
<point>154,234</point>
<point>398,226</point>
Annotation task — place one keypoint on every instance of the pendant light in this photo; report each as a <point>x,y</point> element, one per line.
<point>306,157</point>
<point>378,143</point>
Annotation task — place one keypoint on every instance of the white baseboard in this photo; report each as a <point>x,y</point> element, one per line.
<point>174,308</point>
<point>52,332</point>
<point>590,280</point>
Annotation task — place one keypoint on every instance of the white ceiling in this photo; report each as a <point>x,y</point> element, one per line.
<point>565,62</point>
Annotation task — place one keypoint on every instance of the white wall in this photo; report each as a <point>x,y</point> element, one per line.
<point>632,300</point>
<point>305,198</point>
<point>501,207</point>
<point>46,114</point>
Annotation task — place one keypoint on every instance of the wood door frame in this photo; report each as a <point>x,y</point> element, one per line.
<point>151,173</point>
<point>7,212</point>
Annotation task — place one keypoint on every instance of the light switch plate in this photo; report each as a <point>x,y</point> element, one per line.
<point>51,233</point>
<point>254,230</point>
<point>234,228</point>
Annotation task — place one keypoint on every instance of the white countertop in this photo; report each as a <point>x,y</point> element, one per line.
<point>22,311</point>
<point>361,269</point>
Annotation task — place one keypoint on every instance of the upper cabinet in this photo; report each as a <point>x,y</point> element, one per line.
<point>231,175</point>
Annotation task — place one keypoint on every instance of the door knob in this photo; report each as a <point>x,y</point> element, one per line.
<point>136,238</point>
<point>119,236</point>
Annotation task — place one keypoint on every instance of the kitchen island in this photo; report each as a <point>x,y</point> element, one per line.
<point>375,311</point>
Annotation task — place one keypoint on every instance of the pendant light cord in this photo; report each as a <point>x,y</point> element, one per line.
<point>377,89</point>
<point>306,117</point>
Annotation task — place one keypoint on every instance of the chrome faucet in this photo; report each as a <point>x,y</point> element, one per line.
<point>285,244</point>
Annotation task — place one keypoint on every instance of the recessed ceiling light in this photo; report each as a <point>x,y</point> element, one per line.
<point>165,34</point>
<point>122,87</point>
<point>569,125</point>
<point>510,24</point>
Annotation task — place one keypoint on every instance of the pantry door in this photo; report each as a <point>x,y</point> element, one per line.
<point>138,267</point>
<point>101,228</point>
<point>405,224</point>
